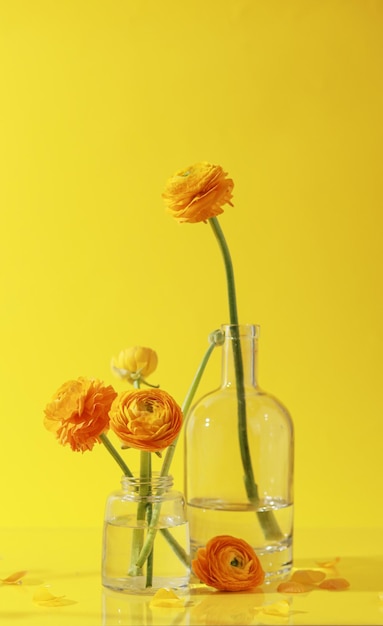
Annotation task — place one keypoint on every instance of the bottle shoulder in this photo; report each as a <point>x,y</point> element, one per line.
<point>224,400</point>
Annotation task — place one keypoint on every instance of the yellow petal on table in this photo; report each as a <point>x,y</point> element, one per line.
<point>13,579</point>
<point>43,597</point>
<point>166,598</point>
<point>279,609</point>
<point>335,584</point>
<point>308,576</point>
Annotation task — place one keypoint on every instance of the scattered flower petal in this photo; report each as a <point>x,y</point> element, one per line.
<point>43,597</point>
<point>308,576</point>
<point>291,586</point>
<point>13,579</point>
<point>381,596</point>
<point>279,609</point>
<point>329,564</point>
<point>335,584</point>
<point>166,598</point>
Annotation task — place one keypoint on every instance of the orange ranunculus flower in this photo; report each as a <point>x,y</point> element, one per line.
<point>146,419</point>
<point>135,363</point>
<point>228,564</point>
<point>79,412</point>
<point>198,193</point>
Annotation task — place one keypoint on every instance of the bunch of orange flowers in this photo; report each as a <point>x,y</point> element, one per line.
<point>82,411</point>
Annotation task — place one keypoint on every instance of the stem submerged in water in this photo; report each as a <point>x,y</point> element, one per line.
<point>267,519</point>
<point>138,533</point>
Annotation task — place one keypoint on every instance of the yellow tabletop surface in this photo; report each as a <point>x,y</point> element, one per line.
<point>62,585</point>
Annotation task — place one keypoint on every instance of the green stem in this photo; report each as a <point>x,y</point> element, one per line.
<point>179,551</point>
<point>138,533</point>
<point>110,447</point>
<point>149,569</point>
<point>215,339</point>
<point>266,518</point>
<point>149,562</point>
<point>218,232</point>
<point>144,515</point>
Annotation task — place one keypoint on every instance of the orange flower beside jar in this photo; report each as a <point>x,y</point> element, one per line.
<point>228,564</point>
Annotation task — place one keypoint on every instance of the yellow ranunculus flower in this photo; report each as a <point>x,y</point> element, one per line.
<point>135,363</point>
<point>146,419</point>
<point>198,192</point>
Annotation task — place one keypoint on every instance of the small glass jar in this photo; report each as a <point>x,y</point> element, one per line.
<point>146,537</point>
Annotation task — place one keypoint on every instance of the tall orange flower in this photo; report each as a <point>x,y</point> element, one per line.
<point>146,419</point>
<point>228,564</point>
<point>79,412</point>
<point>198,192</point>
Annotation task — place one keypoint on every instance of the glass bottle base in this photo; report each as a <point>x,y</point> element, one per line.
<point>137,584</point>
<point>209,518</point>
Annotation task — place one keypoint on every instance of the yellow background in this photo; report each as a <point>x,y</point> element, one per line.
<point>100,103</point>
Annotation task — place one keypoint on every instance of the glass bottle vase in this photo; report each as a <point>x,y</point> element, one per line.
<point>146,512</point>
<point>239,454</point>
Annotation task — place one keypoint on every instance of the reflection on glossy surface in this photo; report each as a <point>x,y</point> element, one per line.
<point>122,609</point>
<point>226,608</point>
<point>66,563</point>
<point>201,607</point>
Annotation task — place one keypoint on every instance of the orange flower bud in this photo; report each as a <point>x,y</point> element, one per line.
<point>198,193</point>
<point>135,363</point>
<point>228,564</point>
<point>79,413</point>
<point>146,419</point>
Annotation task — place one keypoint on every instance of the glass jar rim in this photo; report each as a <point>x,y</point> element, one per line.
<point>155,480</point>
<point>245,330</point>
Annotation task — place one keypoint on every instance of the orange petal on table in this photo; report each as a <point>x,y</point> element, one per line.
<point>43,597</point>
<point>329,564</point>
<point>335,584</point>
<point>13,579</point>
<point>291,586</point>
<point>308,576</point>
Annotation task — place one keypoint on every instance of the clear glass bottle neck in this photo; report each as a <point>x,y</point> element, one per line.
<point>246,337</point>
<point>134,484</point>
